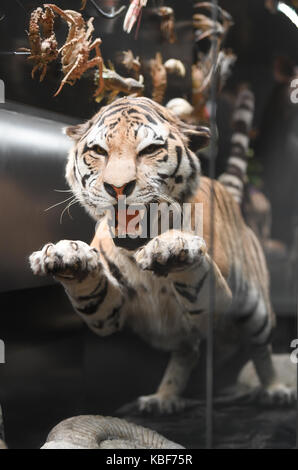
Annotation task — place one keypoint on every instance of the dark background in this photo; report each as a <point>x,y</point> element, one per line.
<point>257,37</point>
<point>55,368</point>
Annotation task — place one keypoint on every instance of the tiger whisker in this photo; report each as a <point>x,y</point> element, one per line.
<point>71,203</point>
<point>63,190</point>
<point>58,203</point>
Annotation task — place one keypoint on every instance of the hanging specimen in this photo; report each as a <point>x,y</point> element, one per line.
<point>42,40</point>
<point>214,60</point>
<point>76,50</point>
<point>75,53</point>
<point>167,25</point>
<point>113,84</point>
<point>159,70</point>
<point>133,14</point>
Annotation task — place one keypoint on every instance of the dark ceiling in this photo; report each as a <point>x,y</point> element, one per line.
<point>256,37</point>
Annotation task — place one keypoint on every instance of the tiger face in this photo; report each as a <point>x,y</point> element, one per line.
<point>137,149</point>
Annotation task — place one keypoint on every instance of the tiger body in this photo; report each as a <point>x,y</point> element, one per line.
<point>155,313</point>
<point>136,148</point>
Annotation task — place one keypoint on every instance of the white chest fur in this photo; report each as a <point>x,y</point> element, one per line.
<point>156,314</point>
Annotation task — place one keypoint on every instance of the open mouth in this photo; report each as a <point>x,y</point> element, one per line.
<point>132,226</point>
<point>127,221</point>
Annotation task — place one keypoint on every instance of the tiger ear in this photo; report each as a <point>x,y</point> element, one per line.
<point>78,131</point>
<point>198,136</point>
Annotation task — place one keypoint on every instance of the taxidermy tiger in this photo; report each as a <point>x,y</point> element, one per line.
<point>138,149</point>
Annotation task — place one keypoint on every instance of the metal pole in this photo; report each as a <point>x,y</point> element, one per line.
<point>213,146</point>
<point>296,284</point>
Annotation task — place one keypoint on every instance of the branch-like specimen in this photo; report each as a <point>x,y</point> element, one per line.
<point>167,25</point>
<point>159,78</point>
<point>113,84</point>
<point>77,48</point>
<point>42,40</point>
<point>131,63</point>
<point>214,60</point>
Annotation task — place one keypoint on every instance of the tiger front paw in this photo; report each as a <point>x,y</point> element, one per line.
<point>171,251</point>
<point>66,259</point>
<point>277,394</point>
<point>159,403</point>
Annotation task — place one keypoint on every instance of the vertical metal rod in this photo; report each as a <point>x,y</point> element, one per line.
<point>296,284</point>
<point>212,167</point>
<point>295,288</point>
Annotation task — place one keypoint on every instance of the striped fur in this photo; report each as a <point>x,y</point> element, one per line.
<point>127,128</point>
<point>162,290</point>
<point>234,177</point>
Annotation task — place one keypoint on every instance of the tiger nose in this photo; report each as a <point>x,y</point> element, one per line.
<point>116,191</point>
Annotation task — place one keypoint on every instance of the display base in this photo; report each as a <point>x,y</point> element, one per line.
<point>239,422</point>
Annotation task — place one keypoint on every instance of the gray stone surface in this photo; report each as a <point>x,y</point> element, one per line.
<point>287,372</point>
<point>239,422</point>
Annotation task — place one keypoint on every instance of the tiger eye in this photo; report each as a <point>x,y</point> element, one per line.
<point>101,151</point>
<point>150,149</point>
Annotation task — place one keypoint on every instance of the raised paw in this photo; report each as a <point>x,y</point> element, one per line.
<point>66,259</point>
<point>171,251</point>
<point>161,404</point>
<point>277,394</point>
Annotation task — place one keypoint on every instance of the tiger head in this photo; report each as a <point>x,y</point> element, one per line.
<point>137,149</point>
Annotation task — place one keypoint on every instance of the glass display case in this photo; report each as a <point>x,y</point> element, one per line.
<point>222,77</point>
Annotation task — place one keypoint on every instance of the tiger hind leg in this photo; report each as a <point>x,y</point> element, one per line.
<point>256,324</point>
<point>273,391</point>
<point>167,399</point>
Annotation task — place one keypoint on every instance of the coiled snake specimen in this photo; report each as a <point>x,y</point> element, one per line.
<point>99,432</point>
